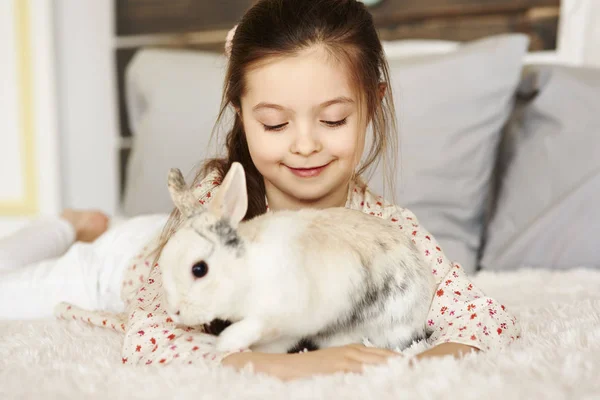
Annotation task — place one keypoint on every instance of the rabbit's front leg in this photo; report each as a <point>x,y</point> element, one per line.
<point>240,335</point>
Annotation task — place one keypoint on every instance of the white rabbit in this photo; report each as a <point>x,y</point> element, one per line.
<point>290,280</point>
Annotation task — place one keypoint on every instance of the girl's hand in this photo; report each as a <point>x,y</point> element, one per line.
<point>445,349</point>
<point>350,358</point>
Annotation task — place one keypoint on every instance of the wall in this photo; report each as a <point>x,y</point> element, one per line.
<point>579,32</point>
<point>87,119</point>
<point>29,167</point>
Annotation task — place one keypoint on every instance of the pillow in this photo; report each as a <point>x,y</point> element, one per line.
<point>451,110</point>
<point>546,212</point>
<point>173,99</point>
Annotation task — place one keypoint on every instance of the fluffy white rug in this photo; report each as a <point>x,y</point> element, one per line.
<point>558,357</point>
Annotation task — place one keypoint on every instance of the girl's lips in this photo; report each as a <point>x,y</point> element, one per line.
<point>308,172</point>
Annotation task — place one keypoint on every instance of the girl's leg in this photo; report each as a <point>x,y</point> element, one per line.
<point>88,275</point>
<point>50,238</point>
<point>32,291</point>
<point>42,239</point>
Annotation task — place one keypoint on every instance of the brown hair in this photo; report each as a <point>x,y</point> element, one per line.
<point>280,28</point>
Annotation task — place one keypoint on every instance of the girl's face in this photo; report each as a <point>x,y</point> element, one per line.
<point>303,129</point>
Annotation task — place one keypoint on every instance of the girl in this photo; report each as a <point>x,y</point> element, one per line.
<point>306,79</point>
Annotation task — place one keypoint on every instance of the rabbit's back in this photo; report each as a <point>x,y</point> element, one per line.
<point>332,231</point>
<point>351,274</point>
<point>333,234</point>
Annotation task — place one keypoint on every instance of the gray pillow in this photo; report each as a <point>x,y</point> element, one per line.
<point>451,110</point>
<point>173,99</point>
<point>546,213</point>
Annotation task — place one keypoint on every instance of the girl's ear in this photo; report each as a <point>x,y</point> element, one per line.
<point>231,200</point>
<point>382,90</point>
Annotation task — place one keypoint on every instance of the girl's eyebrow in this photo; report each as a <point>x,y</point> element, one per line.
<point>337,100</point>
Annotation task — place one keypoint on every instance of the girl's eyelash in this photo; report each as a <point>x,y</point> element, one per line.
<point>335,124</point>
<point>331,124</point>
<point>274,127</point>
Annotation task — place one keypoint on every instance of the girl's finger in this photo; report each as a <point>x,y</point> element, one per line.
<point>366,357</point>
<point>380,351</point>
<point>374,350</point>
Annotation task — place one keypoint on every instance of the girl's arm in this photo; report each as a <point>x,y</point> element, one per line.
<point>350,358</point>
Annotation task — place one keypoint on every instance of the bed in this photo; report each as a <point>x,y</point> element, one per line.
<point>528,168</point>
<point>558,357</point>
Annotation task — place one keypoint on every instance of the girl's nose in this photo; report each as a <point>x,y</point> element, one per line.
<point>306,142</point>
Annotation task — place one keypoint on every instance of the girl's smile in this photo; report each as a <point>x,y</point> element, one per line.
<point>308,172</point>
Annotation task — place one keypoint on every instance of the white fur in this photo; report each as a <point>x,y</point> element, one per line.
<point>294,275</point>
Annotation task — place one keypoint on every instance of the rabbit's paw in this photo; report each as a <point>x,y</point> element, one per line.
<point>240,335</point>
<point>232,343</point>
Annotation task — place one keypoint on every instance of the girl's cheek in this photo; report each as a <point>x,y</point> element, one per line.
<point>346,145</point>
<point>264,149</point>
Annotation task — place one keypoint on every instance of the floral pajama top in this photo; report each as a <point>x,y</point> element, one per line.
<point>459,313</point>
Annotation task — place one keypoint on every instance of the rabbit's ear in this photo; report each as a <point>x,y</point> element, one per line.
<point>180,194</point>
<point>231,200</point>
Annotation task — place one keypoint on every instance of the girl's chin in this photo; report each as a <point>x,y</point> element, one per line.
<point>309,194</point>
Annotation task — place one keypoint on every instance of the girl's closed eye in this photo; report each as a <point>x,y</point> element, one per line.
<point>276,128</point>
<point>336,124</point>
<point>331,124</point>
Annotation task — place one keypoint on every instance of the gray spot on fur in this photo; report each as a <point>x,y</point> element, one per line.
<point>196,213</point>
<point>383,246</point>
<point>403,287</point>
<point>364,261</point>
<point>227,235</point>
<point>368,306</point>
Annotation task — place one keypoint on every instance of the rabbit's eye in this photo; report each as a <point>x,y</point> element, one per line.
<point>200,269</point>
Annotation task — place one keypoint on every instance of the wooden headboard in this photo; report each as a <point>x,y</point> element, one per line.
<point>203,24</point>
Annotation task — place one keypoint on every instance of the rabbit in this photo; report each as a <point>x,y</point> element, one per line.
<point>291,281</point>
